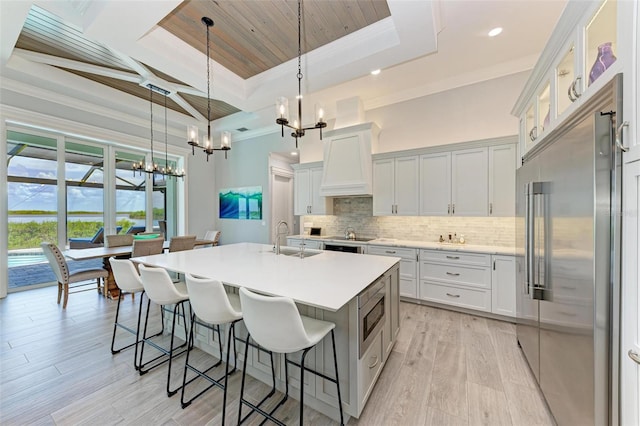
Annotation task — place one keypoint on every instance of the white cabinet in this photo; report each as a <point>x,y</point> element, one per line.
<point>503,285</point>
<point>307,199</point>
<point>408,267</point>
<point>502,178</point>
<point>592,42</point>
<point>455,183</point>
<point>395,186</point>
<point>308,243</point>
<point>435,184</point>
<point>456,279</point>
<point>469,182</point>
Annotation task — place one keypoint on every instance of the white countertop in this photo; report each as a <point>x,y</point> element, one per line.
<point>328,280</point>
<point>391,242</point>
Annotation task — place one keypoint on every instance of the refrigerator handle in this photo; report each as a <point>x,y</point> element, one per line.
<point>528,234</point>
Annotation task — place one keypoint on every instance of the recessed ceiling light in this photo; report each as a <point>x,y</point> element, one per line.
<point>494,32</point>
<point>375,72</point>
<point>294,153</point>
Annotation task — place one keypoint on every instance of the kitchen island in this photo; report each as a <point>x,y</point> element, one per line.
<point>325,285</point>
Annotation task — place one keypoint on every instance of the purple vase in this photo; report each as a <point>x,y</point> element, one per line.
<point>603,61</point>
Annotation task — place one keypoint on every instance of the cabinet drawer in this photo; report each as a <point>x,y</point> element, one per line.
<point>370,366</point>
<point>456,257</point>
<point>475,276</point>
<point>408,288</point>
<point>464,297</point>
<point>404,253</point>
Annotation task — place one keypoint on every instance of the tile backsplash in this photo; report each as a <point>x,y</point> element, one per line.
<point>357,213</point>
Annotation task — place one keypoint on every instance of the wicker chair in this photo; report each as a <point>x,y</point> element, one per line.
<point>186,242</point>
<point>119,240</point>
<point>147,247</point>
<point>65,278</point>
<point>212,236</point>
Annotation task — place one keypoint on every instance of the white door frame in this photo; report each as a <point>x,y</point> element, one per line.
<point>280,172</point>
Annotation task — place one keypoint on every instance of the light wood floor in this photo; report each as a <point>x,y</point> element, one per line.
<point>446,369</point>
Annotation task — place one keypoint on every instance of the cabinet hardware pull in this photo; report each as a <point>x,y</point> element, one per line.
<point>490,208</point>
<point>375,362</point>
<point>576,95</point>
<point>567,287</point>
<point>454,274</point>
<point>453,257</point>
<point>494,265</point>
<point>390,251</point>
<point>453,208</point>
<point>453,295</point>
<point>634,356</point>
<point>448,208</point>
<point>571,98</point>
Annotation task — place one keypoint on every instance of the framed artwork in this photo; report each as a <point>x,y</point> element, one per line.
<point>241,203</point>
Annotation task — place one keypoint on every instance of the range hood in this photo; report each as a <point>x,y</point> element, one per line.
<point>347,168</point>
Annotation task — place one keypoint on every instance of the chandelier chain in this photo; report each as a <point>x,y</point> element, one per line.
<point>208,90</point>
<point>151,108</point>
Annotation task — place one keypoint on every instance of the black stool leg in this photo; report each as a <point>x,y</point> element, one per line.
<point>186,362</point>
<point>304,355</point>
<point>115,327</point>
<point>244,374</point>
<point>144,336</point>
<point>335,364</point>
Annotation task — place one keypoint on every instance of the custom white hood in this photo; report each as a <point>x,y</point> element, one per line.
<point>347,168</point>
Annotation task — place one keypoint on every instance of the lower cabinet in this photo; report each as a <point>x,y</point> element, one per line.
<point>308,243</point>
<point>503,285</point>
<point>408,267</point>
<point>481,282</point>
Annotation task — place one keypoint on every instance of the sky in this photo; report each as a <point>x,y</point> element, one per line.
<point>26,196</point>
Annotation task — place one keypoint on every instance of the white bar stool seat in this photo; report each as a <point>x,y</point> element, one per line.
<point>211,307</point>
<point>162,291</point>
<point>275,324</point>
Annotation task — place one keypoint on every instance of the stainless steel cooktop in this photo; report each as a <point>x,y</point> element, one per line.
<point>342,238</point>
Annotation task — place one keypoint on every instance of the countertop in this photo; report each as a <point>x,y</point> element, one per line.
<point>391,242</point>
<point>328,280</point>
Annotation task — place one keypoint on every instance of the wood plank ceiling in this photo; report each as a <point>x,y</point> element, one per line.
<point>248,37</point>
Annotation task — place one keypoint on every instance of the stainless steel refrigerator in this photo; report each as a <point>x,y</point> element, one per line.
<point>568,241</point>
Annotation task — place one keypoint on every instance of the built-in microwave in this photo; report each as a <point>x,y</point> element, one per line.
<point>371,315</point>
<point>345,248</point>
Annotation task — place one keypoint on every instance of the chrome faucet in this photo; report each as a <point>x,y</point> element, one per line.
<point>278,234</point>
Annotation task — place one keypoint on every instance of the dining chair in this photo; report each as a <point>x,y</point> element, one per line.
<point>163,292</point>
<point>65,278</point>
<point>147,247</point>
<point>275,324</point>
<point>211,307</point>
<point>212,236</point>
<point>118,240</point>
<point>186,242</point>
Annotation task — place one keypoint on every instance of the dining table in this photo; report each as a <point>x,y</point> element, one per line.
<point>111,288</point>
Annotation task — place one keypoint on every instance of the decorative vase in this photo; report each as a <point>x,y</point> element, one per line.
<point>603,61</point>
<point>545,122</point>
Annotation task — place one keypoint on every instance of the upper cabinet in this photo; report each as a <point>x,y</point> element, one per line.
<point>502,178</point>
<point>306,184</point>
<point>593,41</point>
<point>395,186</point>
<point>454,183</point>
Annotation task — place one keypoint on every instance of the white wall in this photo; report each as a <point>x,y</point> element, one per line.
<point>469,113</point>
<point>247,165</point>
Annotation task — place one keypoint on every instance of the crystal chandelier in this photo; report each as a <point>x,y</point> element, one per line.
<point>282,103</point>
<point>152,168</point>
<point>192,131</point>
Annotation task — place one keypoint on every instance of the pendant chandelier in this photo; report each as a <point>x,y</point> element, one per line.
<point>282,103</point>
<point>152,168</point>
<point>192,131</point>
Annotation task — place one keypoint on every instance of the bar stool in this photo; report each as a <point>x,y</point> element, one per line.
<point>211,306</point>
<point>128,280</point>
<point>162,291</point>
<point>275,324</point>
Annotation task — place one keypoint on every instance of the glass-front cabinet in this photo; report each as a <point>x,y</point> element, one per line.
<point>592,52</point>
